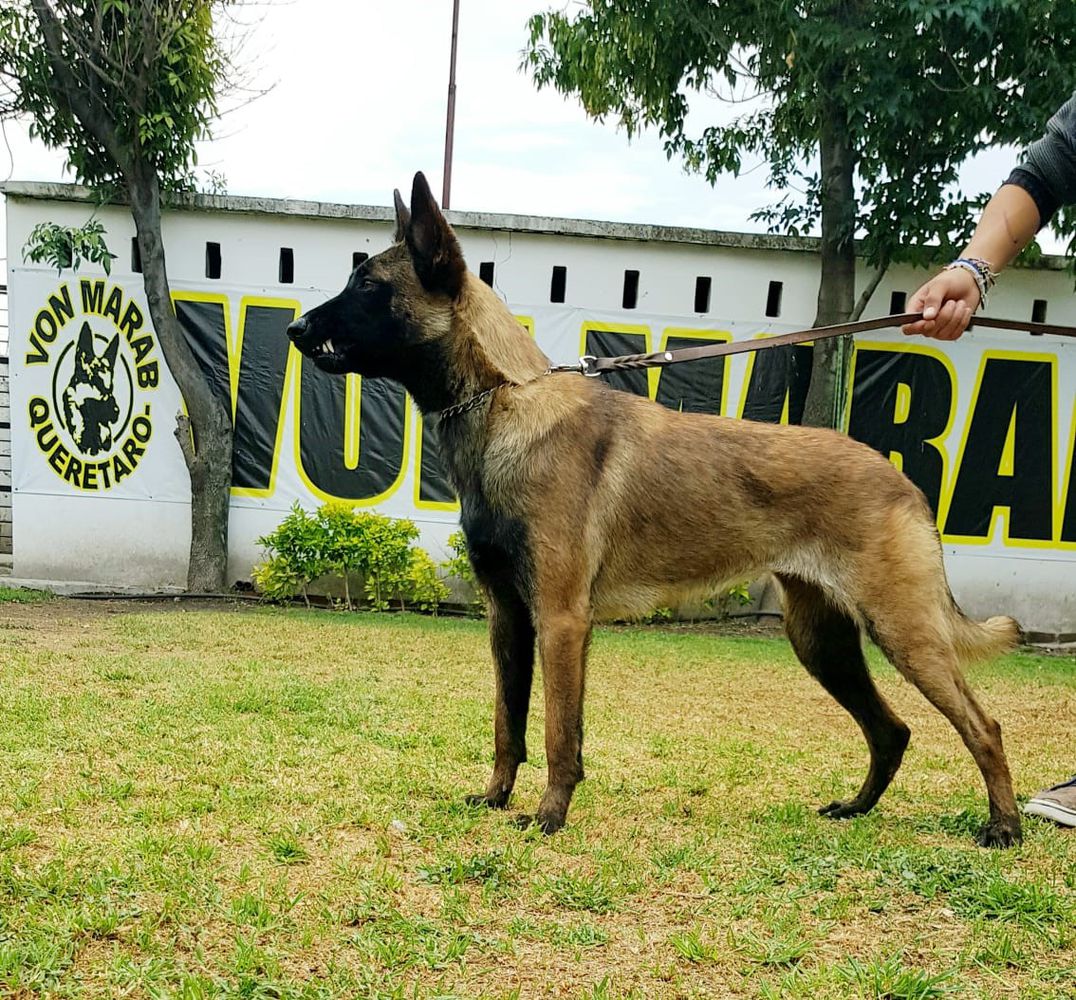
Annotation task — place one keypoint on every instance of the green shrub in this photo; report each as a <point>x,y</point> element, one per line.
<point>736,596</point>
<point>277,580</point>
<point>459,566</point>
<point>339,540</point>
<point>387,562</point>
<point>297,550</point>
<point>721,604</point>
<point>377,548</point>
<point>425,587</point>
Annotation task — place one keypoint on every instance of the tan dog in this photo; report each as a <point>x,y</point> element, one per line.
<point>581,502</point>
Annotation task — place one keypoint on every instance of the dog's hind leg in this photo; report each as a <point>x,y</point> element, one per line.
<point>512,637</point>
<point>827,642</point>
<point>931,664</point>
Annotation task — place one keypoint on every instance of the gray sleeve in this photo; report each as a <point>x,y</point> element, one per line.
<point>1048,171</point>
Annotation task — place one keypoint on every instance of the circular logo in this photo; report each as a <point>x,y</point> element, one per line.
<point>92,423</point>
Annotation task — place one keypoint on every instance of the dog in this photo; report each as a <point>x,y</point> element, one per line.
<point>580,502</point>
<point>90,408</point>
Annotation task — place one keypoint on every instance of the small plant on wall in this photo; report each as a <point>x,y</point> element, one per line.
<point>67,246</point>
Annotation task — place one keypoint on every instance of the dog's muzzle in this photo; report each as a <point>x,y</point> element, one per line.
<point>318,348</point>
<point>299,331</point>
<point>308,340</point>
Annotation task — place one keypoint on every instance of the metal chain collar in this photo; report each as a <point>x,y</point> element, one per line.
<point>470,404</point>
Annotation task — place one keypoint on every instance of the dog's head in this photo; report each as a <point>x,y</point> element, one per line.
<point>95,372</point>
<point>90,407</point>
<point>397,307</point>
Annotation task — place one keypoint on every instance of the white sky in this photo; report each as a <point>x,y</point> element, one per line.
<point>358,104</point>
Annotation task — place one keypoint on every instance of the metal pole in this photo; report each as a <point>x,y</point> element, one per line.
<point>450,123</point>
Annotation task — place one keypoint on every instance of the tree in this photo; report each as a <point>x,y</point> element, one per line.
<point>126,87</point>
<point>870,106</point>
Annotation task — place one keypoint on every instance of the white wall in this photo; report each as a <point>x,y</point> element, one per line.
<point>138,535</point>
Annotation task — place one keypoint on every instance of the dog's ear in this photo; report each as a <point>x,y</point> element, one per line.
<point>84,349</point>
<point>403,217</point>
<point>434,250</point>
<point>112,350</point>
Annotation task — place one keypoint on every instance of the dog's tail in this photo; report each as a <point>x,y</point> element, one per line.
<point>982,640</point>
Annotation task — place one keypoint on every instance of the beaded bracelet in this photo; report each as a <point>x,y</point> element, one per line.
<point>985,278</point>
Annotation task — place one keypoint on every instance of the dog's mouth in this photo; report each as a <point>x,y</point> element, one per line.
<point>323,352</point>
<point>328,358</point>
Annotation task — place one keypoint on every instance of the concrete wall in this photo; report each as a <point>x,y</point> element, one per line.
<point>5,433</point>
<point>138,534</point>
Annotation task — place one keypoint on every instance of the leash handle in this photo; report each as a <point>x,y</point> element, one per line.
<point>591,366</point>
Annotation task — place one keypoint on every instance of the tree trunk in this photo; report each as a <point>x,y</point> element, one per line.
<point>205,431</point>
<point>837,287</point>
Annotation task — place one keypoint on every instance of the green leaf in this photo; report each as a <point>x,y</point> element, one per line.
<point>921,86</point>
<point>179,82</point>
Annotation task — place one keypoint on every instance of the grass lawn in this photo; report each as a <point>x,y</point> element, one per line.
<point>268,804</point>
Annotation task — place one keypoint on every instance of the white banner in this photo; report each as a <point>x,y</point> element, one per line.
<point>986,426</point>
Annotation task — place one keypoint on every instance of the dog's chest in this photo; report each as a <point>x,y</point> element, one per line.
<point>497,542</point>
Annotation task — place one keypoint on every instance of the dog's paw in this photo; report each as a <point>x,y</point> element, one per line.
<point>842,810</point>
<point>1001,832</point>
<point>498,801</point>
<point>548,824</point>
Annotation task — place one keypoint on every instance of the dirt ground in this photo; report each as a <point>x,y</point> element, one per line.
<point>70,609</point>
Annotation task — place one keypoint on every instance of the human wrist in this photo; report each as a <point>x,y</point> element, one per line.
<point>980,270</point>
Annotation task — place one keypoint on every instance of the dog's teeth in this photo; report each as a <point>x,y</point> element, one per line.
<point>328,346</point>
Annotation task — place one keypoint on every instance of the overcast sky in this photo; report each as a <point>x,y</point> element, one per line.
<point>357,104</point>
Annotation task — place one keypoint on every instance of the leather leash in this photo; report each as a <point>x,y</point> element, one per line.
<point>592,366</point>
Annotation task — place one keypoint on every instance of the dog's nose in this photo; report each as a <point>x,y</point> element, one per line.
<point>297,328</point>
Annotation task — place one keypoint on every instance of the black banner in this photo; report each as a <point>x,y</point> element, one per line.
<point>1007,459</point>
<point>779,381</point>
<point>901,405</point>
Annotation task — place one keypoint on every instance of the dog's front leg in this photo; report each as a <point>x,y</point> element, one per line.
<point>563,640</point>
<point>512,638</point>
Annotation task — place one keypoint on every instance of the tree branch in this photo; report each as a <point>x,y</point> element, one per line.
<point>73,94</point>
<point>90,44</point>
<point>185,439</point>
<point>868,291</point>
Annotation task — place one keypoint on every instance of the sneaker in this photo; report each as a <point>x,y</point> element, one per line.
<point>1057,803</point>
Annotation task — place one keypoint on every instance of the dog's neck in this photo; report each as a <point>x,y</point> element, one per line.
<point>485,347</point>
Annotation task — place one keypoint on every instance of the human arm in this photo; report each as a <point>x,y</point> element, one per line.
<point>1044,181</point>
<point>948,301</point>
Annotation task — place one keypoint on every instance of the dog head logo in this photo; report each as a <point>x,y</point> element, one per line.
<point>91,415</point>
<point>89,404</point>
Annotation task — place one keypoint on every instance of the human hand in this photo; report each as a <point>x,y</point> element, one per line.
<point>947,302</point>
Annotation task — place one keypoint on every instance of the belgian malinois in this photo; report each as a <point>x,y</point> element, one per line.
<point>560,479</point>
